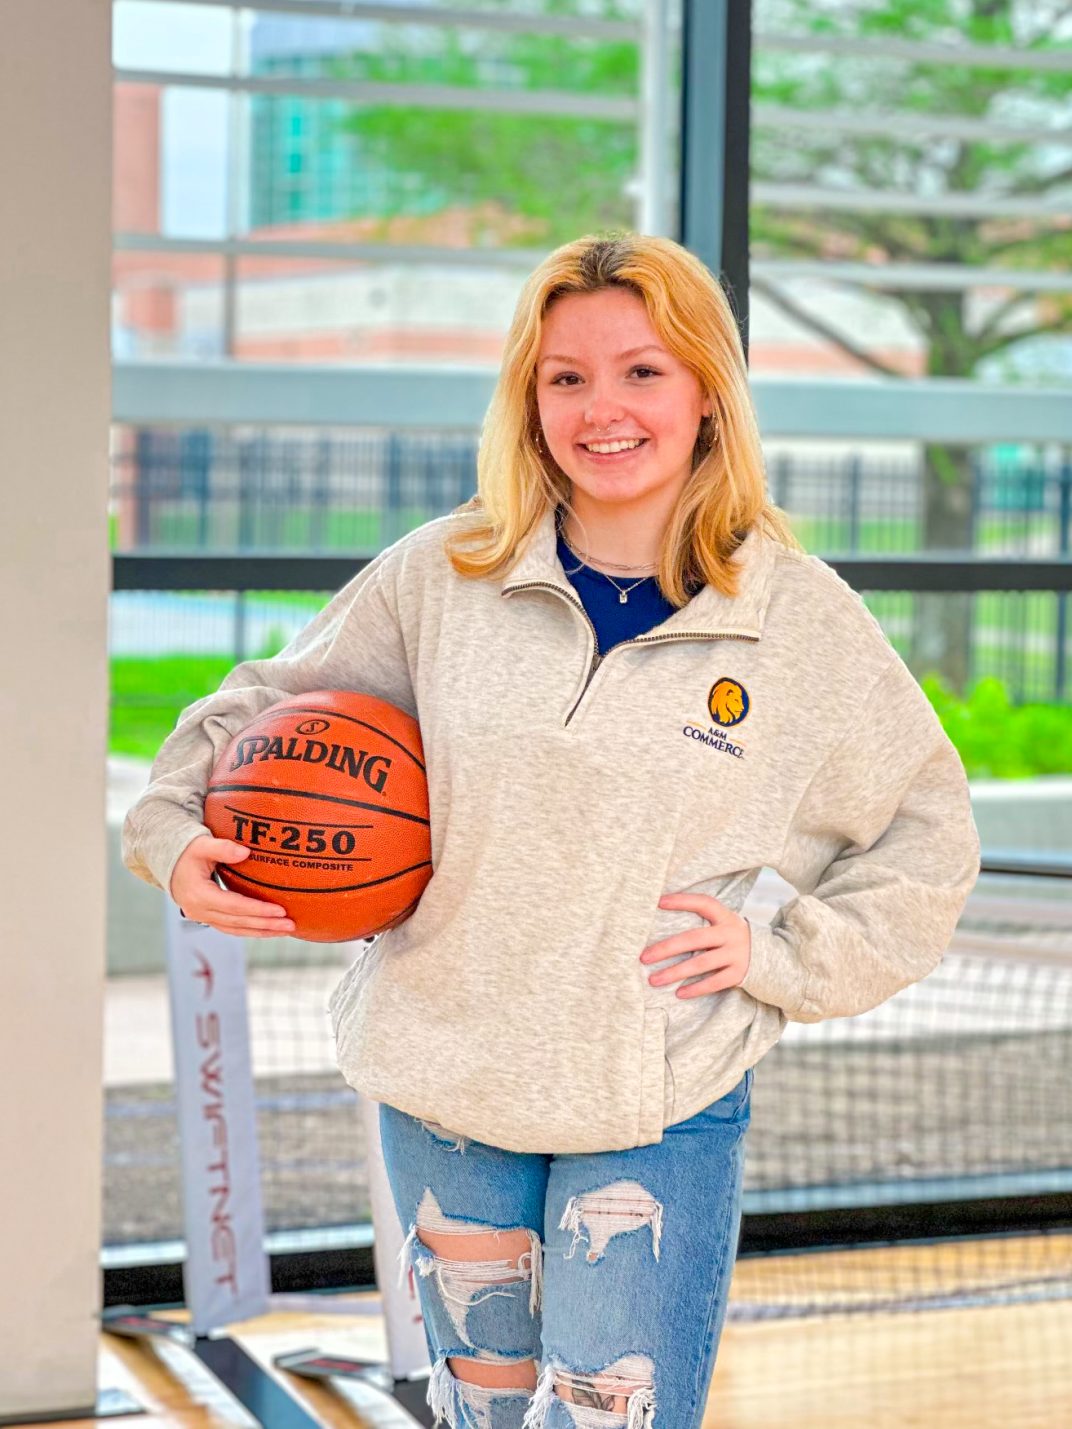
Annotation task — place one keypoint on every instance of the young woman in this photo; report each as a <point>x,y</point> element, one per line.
<point>634,689</point>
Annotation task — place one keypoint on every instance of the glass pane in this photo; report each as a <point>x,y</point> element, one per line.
<point>195,39</point>
<point>909,219</point>
<point>896,201</point>
<point>282,489</point>
<point>167,305</point>
<point>308,310</point>
<point>170,159</point>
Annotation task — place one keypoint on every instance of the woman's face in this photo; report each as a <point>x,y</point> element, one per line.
<point>602,373</point>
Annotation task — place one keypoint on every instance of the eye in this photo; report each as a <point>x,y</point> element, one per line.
<point>561,379</point>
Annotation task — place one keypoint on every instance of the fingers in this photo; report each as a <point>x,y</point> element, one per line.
<point>246,927</point>
<point>229,922</point>
<point>703,903</point>
<point>235,913</point>
<point>237,905</point>
<point>717,982</point>
<point>209,851</point>
<point>692,940</point>
<point>713,961</point>
<point>219,850</point>
<point>251,930</point>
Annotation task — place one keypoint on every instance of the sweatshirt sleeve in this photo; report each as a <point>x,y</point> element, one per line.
<point>354,643</point>
<point>883,851</point>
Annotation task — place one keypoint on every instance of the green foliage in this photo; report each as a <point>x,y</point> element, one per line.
<point>957,344</point>
<point>997,740</point>
<point>548,177</point>
<point>150,692</point>
<point>544,178</point>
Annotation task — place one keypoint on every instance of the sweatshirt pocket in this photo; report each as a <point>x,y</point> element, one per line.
<point>344,1001</point>
<point>653,1075</point>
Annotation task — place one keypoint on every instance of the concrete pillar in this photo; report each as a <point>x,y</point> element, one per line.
<point>55,242</point>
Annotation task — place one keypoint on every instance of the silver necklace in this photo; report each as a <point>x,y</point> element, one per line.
<point>623,592</point>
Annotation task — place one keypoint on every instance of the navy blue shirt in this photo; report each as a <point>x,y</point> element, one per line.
<point>613,620</point>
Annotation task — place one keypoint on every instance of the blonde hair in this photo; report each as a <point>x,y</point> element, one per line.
<point>725,496</point>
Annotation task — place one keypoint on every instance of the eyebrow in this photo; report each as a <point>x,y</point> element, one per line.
<point>632,352</point>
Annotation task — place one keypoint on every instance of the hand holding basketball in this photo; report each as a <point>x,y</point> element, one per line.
<point>201,898</point>
<point>326,793</point>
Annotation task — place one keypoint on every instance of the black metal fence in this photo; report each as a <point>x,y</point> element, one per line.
<point>313,491</point>
<point>302,491</point>
<point>321,500</point>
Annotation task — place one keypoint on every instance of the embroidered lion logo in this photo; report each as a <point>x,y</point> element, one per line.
<point>728,702</point>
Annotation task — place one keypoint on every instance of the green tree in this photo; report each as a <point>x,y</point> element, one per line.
<point>550,178</point>
<point>958,337</point>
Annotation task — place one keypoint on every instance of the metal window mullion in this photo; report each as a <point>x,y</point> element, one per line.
<point>652,212</point>
<point>523,258</point>
<point>315,394</point>
<point>561,103</point>
<point>714,183</point>
<point>230,259</point>
<point>922,52</point>
<point>433,15</point>
<point>901,125</point>
<point>940,277</point>
<point>953,205</point>
<point>283,570</point>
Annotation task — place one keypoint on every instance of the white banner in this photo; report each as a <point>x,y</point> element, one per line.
<point>406,1346</point>
<point>226,1276</point>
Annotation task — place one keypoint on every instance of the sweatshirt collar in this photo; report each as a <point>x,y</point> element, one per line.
<point>707,613</point>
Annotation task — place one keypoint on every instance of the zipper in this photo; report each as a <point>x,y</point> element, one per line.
<point>624,644</point>
<point>658,640</point>
<point>597,658</point>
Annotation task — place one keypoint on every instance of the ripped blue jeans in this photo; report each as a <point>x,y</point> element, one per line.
<point>621,1296</point>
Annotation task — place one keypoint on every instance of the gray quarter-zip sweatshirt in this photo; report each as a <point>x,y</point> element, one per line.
<point>778,728</point>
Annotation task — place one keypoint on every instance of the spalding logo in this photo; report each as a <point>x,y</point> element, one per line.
<point>728,702</point>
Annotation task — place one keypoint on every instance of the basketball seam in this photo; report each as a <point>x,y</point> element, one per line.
<point>348,888</point>
<point>316,796</point>
<point>334,714</point>
<point>284,819</point>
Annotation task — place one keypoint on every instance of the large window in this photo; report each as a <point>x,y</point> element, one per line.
<point>322,223</point>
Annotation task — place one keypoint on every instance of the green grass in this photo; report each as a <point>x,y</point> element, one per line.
<point>366,529</point>
<point>149,694</point>
<point>994,739</point>
<point>900,535</point>
<point>300,600</point>
<point>359,529</point>
<point>997,740</point>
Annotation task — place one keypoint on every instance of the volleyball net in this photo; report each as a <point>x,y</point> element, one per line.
<point>948,1107</point>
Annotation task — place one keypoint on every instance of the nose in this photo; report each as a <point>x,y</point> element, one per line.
<point>602,412</point>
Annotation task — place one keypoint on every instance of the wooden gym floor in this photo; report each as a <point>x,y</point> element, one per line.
<point>983,1367</point>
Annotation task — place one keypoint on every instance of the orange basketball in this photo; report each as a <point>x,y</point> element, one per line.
<point>329,792</point>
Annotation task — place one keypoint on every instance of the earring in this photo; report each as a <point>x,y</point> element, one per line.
<point>707,440</point>
<point>538,439</point>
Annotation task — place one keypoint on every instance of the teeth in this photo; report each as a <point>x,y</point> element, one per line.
<point>606,447</point>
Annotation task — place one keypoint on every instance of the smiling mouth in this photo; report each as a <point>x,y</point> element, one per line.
<point>611,456</point>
